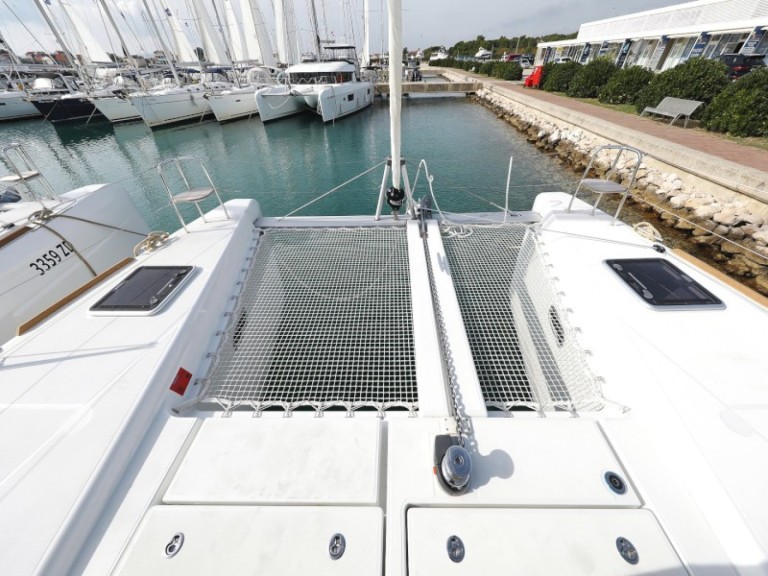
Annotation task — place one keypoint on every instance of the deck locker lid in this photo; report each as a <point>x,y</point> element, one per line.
<point>233,540</point>
<point>280,461</point>
<point>530,541</point>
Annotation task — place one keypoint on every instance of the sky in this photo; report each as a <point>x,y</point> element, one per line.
<point>426,23</point>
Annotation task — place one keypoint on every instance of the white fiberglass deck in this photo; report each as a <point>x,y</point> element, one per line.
<point>107,462</point>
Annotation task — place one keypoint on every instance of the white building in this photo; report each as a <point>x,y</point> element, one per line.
<point>662,38</point>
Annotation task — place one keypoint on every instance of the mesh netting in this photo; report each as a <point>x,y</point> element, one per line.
<point>524,350</point>
<point>324,320</point>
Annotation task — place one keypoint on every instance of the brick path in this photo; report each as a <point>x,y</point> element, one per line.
<point>693,138</point>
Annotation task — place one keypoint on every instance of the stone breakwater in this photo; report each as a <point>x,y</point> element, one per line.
<point>719,225</point>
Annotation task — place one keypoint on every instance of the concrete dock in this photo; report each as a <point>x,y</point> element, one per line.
<point>382,88</point>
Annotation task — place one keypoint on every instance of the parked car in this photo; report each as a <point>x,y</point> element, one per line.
<point>740,64</point>
<point>522,60</point>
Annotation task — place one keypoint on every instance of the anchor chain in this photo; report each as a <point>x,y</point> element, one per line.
<point>463,425</point>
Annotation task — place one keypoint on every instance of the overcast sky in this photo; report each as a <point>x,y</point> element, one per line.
<point>425,22</point>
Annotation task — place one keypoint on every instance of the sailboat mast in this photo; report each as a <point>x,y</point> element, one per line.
<point>315,29</point>
<point>227,45</point>
<point>163,47</point>
<point>366,33</point>
<point>60,40</point>
<point>395,84</point>
<point>123,46</point>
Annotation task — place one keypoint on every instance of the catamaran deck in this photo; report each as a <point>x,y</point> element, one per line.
<point>281,412</point>
<point>324,320</point>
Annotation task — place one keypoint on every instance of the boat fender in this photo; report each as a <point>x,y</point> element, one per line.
<point>395,198</point>
<point>9,195</point>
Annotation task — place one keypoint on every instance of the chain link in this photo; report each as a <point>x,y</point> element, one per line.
<point>463,425</point>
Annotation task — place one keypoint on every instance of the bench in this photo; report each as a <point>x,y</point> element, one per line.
<point>674,108</point>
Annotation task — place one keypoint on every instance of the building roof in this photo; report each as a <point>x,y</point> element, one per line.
<point>688,19</point>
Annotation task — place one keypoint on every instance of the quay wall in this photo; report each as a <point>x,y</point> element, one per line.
<point>718,209</point>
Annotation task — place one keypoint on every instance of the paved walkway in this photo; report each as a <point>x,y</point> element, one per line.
<point>694,138</point>
<point>720,160</point>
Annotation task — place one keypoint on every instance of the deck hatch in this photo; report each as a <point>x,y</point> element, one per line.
<point>662,285</point>
<point>524,350</point>
<point>323,321</point>
<point>145,291</point>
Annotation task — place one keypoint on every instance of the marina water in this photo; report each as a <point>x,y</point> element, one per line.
<point>287,163</point>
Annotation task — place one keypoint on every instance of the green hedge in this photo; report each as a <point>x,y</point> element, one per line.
<point>507,71</point>
<point>591,78</point>
<point>502,70</point>
<point>696,79</point>
<point>559,76</point>
<point>742,108</point>
<point>625,85</point>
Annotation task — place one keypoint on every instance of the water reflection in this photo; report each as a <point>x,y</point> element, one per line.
<point>286,163</point>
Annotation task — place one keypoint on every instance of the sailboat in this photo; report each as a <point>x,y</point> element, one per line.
<point>14,102</point>
<point>527,392</point>
<point>14,83</point>
<point>97,75</point>
<point>183,96</point>
<point>252,49</point>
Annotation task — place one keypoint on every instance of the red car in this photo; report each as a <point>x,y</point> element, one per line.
<point>741,64</point>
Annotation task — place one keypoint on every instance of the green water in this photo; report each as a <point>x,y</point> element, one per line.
<point>287,163</point>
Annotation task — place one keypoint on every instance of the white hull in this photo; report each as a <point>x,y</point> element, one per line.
<point>234,103</point>
<point>116,109</point>
<point>330,101</point>
<point>340,100</point>
<point>41,265</point>
<point>172,105</point>
<point>278,102</point>
<point>13,105</point>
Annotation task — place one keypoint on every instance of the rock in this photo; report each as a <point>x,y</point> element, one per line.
<point>731,248</point>
<point>703,228</point>
<point>707,211</point>
<point>698,199</point>
<point>667,216</point>
<point>727,216</point>
<point>753,219</point>
<point>684,225</point>
<point>761,283</point>
<point>761,236</point>
<point>722,230</point>
<point>679,200</point>
<point>737,234</point>
<point>739,266</point>
<point>704,240</point>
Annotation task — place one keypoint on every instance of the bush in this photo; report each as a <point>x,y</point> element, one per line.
<point>697,79</point>
<point>545,70</point>
<point>507,71</point>
<point>625,85</point>
<point>742,108</point>
<point>486,68</point>
<point>591,78</point>
<point>559,77</point>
